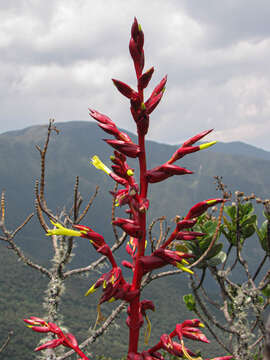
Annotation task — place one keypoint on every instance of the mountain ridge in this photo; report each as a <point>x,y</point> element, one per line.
<point>233,147</point>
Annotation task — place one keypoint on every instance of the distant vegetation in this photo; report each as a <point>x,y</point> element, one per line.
<point>22,290</point>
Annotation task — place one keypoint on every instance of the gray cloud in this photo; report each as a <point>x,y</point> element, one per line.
<point>57,59</point>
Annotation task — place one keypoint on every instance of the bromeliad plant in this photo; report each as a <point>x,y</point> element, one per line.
<point>134,196</point>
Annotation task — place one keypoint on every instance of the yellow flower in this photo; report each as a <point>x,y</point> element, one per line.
<point>99,164</point>
<point>61,230</point>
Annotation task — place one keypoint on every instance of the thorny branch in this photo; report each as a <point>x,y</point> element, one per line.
<point>5,344</point>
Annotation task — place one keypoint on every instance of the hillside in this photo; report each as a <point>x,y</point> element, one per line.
<point>242,167</point>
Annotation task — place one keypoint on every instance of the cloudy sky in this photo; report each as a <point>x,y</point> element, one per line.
<point>58,58</point>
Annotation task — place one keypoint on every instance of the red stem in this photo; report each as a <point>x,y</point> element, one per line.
<point>134,330</point>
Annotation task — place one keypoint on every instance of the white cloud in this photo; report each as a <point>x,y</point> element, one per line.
<point>58,58</point>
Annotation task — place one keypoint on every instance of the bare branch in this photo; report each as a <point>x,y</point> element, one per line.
<point>2,348</point>
<point>75,202</point>
<point>87,206</point>
<point>3,207</point>
<point>29,217</point>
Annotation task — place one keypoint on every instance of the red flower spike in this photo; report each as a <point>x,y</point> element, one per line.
<point>201,207</point>
<point>196,138</point>
<point>125,89</point>
<point>165,171</point>
<point>127,148</point>
<point>144,79</point>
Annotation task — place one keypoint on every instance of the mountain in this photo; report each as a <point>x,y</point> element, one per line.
<point>242,166</point>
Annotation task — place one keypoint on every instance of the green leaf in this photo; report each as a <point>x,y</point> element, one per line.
<point>218,259</point>
<point>266,291</point>
<point>214,251</point>
<point>267,215</point>
<point>230,211</point>
<point>250,220</point>
<point>248,231</point>
<point>246,208</point>
<point>181,247</point>
<point>190,302</point>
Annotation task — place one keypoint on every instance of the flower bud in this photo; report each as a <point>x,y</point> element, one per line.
<point>144,79</point>
<point>196,138</point>
<point>201,207</point>
<point>125,89</point>
<point>127,148</point>
<point>129,226</point>
<point>165,171</point>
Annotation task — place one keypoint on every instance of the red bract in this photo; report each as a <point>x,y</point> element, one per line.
<point>188,235</point>
<point>129,226</point>
<point>136,47</point>
<point>95,238</point>
<point>185,224</point>
<point>67,340</point>
<point>165,171</point>
<point>125,89</point>
<point>183,330</point>
<point>173,347</point>
<point>106,124</point>
<point>196,138</point>
<point>144,79</point>
<point>201,207</point>
<point>127,148</point>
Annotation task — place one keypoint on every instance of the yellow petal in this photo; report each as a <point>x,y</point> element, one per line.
<point>184,262</point>
<point>130,172</point>
<point>91,290</point>
<point>147,331</point>
<point>98,164</point>
<point>187,354</point>
<point>183,268</point>
<point>207,145</point>
<point>210,202</point>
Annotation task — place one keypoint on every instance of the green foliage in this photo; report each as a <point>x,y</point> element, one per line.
<point>246,226</point>
<point>190,302</point>
<point>215,256</point>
